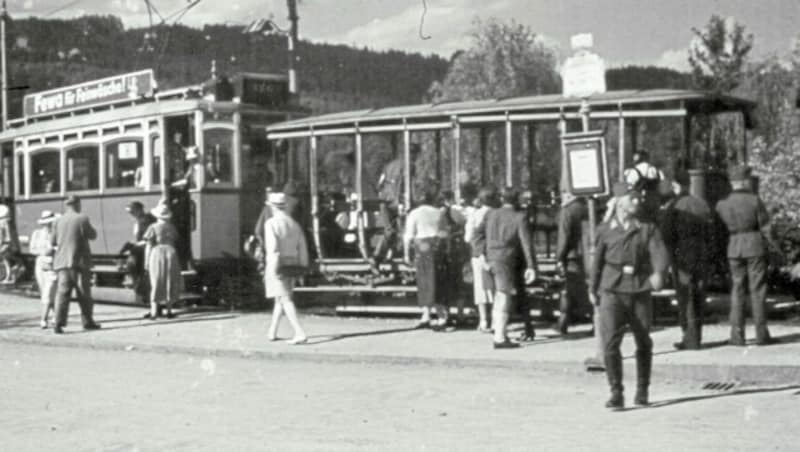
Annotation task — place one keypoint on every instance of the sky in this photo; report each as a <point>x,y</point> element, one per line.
<point>647,32</point>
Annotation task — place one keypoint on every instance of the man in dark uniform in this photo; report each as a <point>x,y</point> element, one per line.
<point>570,257</point>
<point>747,220</point>
<point>629,261</point>
<point>685,225</point>
<point>504,240</point>
<point>391,190</point>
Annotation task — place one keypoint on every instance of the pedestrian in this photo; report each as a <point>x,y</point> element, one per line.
<point>266,213</point>
<point>286,256</point>
<point>647,179</point>
<point>481,295</point>
<point>139,280</point>
<point>507,250</point>
<point>43,269</point>
<point>455,253</point>
<point>163,264</point>
<point>629,262</point>
<point>747,221</point>
<point>686,226</point>
<point>72,263</point>
<point>426,232</point>
<point>6,243</point>
<point>570,255</point>
<point>391,190</point>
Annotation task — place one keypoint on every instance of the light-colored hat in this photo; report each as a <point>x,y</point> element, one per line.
<point>3,211</point>
<point>47,217</point>
<point>161,211</point>
<point>277,199</point>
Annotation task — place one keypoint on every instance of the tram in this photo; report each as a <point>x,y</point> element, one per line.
<point>517,124</point>
<point>119,139</point>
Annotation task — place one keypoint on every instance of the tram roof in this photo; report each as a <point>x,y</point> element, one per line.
<point>633,103</point>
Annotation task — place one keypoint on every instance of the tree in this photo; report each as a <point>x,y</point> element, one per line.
<point>718,54</point>
<point>505,59</point>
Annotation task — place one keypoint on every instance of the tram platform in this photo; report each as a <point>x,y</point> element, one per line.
<point>208,333</point>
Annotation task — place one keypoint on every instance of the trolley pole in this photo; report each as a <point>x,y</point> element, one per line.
<point>3,68</point>
<point>292,38</point>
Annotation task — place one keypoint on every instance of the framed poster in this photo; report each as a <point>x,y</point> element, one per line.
<point>585,158</point>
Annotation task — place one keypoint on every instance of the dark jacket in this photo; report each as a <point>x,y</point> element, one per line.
<point>571,223</point>
<point>71,235</point>
<point>686,226</point>
<point>745,216</point>
<point>625,259</point>
<point>503,235</point>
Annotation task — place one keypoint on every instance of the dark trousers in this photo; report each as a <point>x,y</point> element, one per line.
<point>575,296</point>
<point>80,281</point>
<point>690,290</point>
<point>618,310</point>
<point>139,278</point>
<point>749,274</point>
<point>389,216</point>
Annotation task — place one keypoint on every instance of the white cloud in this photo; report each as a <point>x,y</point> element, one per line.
<point>677,59</point>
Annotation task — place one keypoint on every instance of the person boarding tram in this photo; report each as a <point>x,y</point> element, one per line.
<point>506,245</point>
<point>747,221</point>
<point>629,262</point>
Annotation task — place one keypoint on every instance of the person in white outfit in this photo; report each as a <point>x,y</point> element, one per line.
<point>285,247</point>
<point>482,297</point>
<point>43,270</point>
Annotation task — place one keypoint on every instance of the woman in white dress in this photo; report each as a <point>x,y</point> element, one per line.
<point>284,247</point>
<point>45,276</point>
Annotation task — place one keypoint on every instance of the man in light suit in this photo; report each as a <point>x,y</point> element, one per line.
<point>72,263</point>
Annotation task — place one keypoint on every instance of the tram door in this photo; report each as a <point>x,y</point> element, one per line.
<point>179,134</point>
<point>6,172</point>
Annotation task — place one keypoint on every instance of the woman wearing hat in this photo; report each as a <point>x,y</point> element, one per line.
<point>161,261</point>
<point>45,276</point>
<point>284,247</point>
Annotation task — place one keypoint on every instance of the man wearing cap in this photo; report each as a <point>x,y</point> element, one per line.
<point>685,225</point>
<point>747,221</point>
<point>391,190</point>
<point>570,254</point>
<point>142,220</point>
<point>72,263</point>
<point>629,262</point>
<point>504,240</point>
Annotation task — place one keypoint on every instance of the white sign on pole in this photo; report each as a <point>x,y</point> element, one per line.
<point>584,73</point>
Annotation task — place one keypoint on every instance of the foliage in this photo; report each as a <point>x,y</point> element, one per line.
<point>718,54</point>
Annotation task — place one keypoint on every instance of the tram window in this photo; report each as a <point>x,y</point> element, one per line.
<point>124,164</point>
<point>45,172</point>
<point>82,168</point>
<point>217,155</point>
<point>157,146</point>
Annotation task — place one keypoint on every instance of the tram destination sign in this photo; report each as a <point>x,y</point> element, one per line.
<point>97,92</point>
<point>268,90</point>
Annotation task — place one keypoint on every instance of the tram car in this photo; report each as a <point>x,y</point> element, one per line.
<point>117,140</point>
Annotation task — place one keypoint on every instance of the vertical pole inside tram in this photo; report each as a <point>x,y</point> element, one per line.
<point>456,158</point>
<point>362,242</point>
<point>438,142</point>
<point>509,154</point>
<point>407,180</point>
<point>312,178</point>
<point>621,176</point>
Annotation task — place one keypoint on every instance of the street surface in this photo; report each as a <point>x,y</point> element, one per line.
<point>80,399</point>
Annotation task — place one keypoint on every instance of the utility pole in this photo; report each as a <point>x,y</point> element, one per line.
<point>3,68</point>
<point>292,37</point>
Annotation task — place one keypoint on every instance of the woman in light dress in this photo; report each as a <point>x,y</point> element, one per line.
<point>284,245</point>
<point>162,262</point>
<point>45,276</point>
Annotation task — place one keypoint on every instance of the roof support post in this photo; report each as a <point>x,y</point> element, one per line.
<point>312,182</point>
<point>437,138</point>
<point>456,158</point>
<point>634,135</point>
<point>360,217</point>
<point>407,166</point>
<point>687,141</point>
<point>621,144</point>
<point>483,141</point>
<point>509,154</point>
<point>562,129</point>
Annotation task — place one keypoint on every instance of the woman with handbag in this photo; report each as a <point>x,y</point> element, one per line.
<point>286,257</point>
<point>161,261</point>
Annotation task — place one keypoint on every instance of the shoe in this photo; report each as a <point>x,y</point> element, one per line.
<point>272,338</point>
<point>422,324</point>
<point>58,330</point>
<point>147,316</point>
<point>484,329</point>
<point>594,365</point>
<point>297,341</point>
<point>679,346</point>
<point>641,398</point>
<point>170,315</point>
<point>92,326</point>
<point>43,324</point>
<point>527,336</point>
<point>736,342</point>
<point>767,341</point>
<point>616,402</point>
<point>505,344</point>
